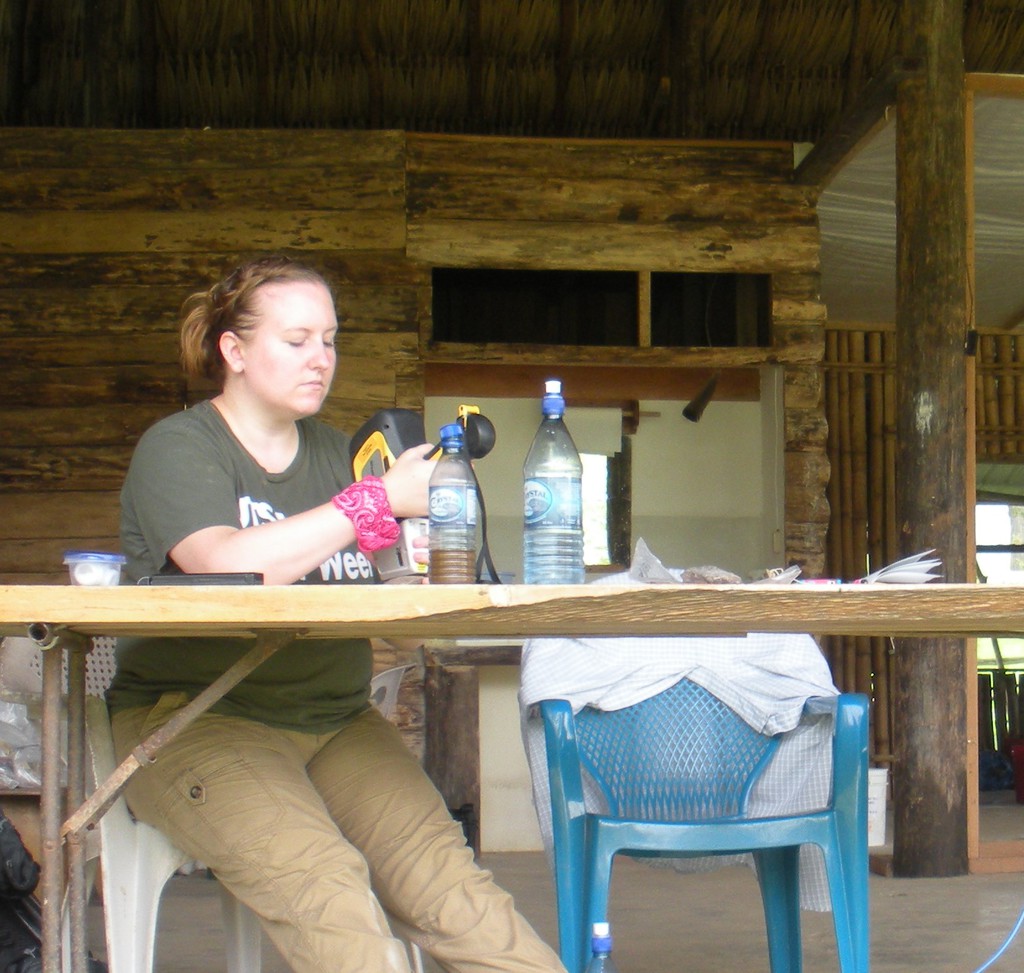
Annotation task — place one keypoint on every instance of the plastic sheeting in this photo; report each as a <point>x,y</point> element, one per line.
<point>858,223</point>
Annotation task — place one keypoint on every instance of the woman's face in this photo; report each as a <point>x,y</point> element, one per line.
<point>287,359</point>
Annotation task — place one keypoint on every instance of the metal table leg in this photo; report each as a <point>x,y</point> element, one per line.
<point>51,797</point>
<point>75,847</point>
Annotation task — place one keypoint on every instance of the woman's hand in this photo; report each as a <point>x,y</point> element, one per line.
<point>407,482</point>
<point>421,549</point>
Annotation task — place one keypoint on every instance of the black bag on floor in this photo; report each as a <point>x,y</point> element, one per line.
<point>19,874</point>
<point>19,947</point>
<point>19,912</point>
<point>21,926</point>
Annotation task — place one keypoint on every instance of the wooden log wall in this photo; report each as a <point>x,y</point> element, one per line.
<point>860,406</point>
<point>104,233</point>
<point>102,237</point>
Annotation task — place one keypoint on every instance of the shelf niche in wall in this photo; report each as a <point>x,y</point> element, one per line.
<point>601,308</point>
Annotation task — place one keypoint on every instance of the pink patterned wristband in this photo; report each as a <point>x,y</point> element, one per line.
<point>366,504</point>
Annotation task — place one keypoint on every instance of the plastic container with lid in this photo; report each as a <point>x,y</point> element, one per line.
<point>94,567</point>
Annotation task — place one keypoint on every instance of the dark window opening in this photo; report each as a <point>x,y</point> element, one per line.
<point>600,308</point>
<point>550,307</point>
<point>710,310</point>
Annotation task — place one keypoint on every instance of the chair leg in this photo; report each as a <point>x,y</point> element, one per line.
<point>570,896</point>
<point>849,915</point>
<point>597,881</point>
<point>131,901</point>
<point>404,932</point>
<point>779,878</point>
<point>853,863</point>
<point>242,934</point>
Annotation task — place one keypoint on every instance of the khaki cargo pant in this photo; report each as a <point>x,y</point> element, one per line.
<point>302,827</point>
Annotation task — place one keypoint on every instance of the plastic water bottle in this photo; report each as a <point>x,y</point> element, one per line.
<point>601,950</point>
<point>553,499</point>
<point>453,512</point>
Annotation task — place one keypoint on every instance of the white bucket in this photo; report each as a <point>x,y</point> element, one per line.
<point>878,789</point>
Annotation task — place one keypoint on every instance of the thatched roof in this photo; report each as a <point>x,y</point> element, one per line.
<point>760,69</point>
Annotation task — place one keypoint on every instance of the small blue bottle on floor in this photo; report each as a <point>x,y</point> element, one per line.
<point>601,950</point>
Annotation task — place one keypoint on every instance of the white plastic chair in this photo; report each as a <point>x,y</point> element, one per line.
<point>136,859</point>
<point>384,689</point>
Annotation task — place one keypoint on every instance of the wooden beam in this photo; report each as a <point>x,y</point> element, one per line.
<point>930,713</point>
<point>757,63</point>
<point>684,72</point>
<point>643,309</point>
<point>871,111</point>
<point>101,64</point>
<point>371,63</point>
<point>589,384</point>
<point>1006,85</point>
<point>563,66</point>
<point>476,66</point>
<point>863,14</point>
<point>451,754</point>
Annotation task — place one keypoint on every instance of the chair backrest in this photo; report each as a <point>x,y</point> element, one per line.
<point>681,755</point>
<point>384,689</point>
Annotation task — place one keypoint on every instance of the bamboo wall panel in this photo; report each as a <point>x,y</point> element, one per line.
<point>999,397</point>
<point>860,406</point>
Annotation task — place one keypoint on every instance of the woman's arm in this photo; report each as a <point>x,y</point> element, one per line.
<point>286,550</point>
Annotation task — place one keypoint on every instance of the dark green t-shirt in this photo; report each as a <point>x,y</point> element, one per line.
<point>189,472</point>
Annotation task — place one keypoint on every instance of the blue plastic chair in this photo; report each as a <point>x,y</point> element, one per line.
<point>676,771</point>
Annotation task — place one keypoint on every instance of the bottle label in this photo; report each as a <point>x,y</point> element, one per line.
<point>553,502</point>
<point>453,505</point>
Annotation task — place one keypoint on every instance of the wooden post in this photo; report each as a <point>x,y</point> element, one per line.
<point>930,803</point>
<point>451,755</point>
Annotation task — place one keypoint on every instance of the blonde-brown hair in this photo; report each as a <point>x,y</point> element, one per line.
<point>229,305</point>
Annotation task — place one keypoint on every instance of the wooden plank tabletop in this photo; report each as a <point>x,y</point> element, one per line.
<point>501,611</point>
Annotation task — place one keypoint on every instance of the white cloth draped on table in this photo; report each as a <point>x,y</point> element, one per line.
<point>766,678</point>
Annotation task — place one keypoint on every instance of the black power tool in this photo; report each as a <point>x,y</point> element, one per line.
<point>388,433</point>
<point>374,449</point>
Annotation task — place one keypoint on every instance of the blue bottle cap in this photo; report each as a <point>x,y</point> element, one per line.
<point>553,403</point>
<point>601,938</point>
<point>452,430</point>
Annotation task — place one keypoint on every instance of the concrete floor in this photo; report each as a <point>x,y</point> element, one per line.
<point>669,923</point>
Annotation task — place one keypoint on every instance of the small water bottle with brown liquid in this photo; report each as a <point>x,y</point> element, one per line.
<point>453,512</point>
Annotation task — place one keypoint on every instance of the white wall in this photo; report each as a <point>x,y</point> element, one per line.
<point>508,821</point>
<point>703,493</point>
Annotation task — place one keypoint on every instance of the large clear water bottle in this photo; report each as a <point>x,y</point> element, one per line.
<point>601,950</point>
<point>553,499</point>
<point>453,512</point>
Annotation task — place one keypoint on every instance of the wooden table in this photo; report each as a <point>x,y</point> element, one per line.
<point>64,617</point>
